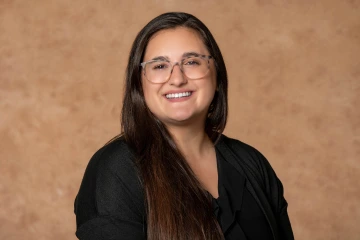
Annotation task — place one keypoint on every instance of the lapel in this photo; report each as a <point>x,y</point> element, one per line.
<point>243,163</point>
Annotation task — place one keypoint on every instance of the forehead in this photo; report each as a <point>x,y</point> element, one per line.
<point>173,43</point>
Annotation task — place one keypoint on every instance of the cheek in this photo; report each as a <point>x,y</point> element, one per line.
<point>213,81</point>
<point>212,74</point>
<point>150,94</point>
<point>145,89</point>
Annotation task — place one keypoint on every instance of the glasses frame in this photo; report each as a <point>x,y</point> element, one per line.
<point>173,64</point>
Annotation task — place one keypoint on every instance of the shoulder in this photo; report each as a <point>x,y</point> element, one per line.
<point>115,158</point>
<point>110,185</point>
<point>113,154</point>
<point>241,149</point>
<point>253,164</point>
<point>115,161</point>
<point>263,179</point>
<point>235,143</point>
<point>247,159</point>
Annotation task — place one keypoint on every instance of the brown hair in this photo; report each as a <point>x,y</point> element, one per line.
<point>177,206</point>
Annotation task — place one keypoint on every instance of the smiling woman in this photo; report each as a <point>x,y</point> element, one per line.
<point>171,174</point>
<point>192,74</point>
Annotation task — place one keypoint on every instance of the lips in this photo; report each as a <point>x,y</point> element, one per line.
<point>178,95</point>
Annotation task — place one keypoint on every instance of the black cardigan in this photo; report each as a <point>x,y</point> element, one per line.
<point>110,202</point>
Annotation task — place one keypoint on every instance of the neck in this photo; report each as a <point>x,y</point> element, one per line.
<point>192,140</point>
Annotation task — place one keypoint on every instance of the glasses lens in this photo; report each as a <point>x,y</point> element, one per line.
<point>195,67</point>
<point>158,71</point>
<point>192,67</point>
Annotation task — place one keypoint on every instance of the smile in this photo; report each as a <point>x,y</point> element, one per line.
<point>177,95</point>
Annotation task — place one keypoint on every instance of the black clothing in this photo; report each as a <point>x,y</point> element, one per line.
<point>110,202</point>
<point>239,215</point>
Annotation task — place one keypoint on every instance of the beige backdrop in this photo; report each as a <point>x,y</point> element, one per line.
<point>294,72</point>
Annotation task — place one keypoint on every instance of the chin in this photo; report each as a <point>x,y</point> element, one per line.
<point>179,119</point>
<point>184,119</point>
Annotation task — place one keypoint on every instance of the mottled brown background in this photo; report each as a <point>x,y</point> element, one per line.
<point>294,71</point>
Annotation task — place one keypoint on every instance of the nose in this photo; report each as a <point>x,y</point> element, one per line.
<point>177,77</point>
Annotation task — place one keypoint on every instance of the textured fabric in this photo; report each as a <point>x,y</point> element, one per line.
<point>110,202</point>
<point>239,215</point>
<point>263,184</point>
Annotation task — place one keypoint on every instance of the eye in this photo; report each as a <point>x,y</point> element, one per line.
<point>192,62</point>
<point>159,66</point>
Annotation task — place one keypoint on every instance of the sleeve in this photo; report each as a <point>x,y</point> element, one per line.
<point>275,192</point>
<point>109,204</point>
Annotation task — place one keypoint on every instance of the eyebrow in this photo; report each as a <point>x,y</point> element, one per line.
<point>185,54</point>
<point>191,54</point>
<point>161,58</point>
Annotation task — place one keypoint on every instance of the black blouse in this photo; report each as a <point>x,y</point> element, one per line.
<point>110,201</point>
<point>237,212</point>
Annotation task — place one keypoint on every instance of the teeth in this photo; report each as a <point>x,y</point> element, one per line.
<point>178,95</point>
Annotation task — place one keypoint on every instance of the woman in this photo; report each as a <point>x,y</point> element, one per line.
<point>171,174</point>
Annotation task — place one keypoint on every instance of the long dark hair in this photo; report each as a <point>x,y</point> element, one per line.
<point>176,204</point>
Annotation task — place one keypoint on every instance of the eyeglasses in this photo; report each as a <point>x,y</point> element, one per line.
<point>193,67</point>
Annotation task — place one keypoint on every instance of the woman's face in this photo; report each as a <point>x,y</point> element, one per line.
<point>173,44</point>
